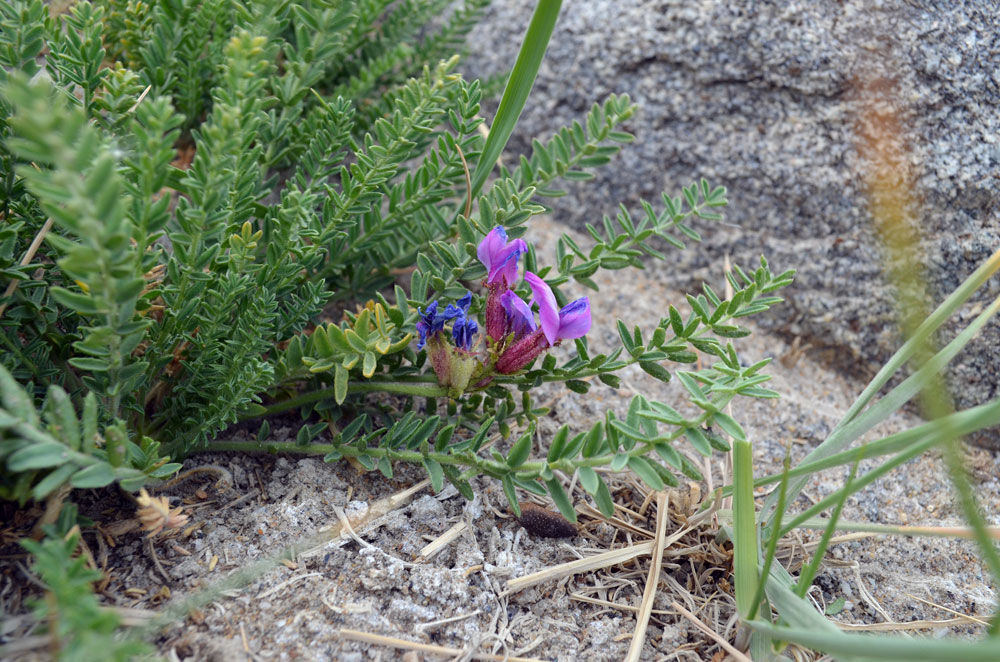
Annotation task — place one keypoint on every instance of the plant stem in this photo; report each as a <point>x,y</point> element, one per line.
<point>423,389</point>
<point>411,456</point>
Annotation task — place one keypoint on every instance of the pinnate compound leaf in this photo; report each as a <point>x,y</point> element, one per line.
<point>520,451</point>
<point>730,426</point>
<point>340,379</point>
<point>655,370</point>
<point>508,490</point>
<point>698,439</point>
<point>435,473</point>
<point>603,499</point>
<point>589,479</point>
<point>52,482</point>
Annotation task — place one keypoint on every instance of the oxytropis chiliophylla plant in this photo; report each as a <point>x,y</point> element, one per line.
<point>215,211</point>
<point>191,190</point>
<point>513,338</point>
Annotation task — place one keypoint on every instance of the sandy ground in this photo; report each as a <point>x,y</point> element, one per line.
<point>378,583</point>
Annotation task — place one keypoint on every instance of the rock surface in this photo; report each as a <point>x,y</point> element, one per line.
<point>764,98</point>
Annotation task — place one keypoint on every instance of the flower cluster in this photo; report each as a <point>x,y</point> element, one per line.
<point>452,363</point>
<point>432,322</point>
<point>510,322</point>
<point>515,338</point>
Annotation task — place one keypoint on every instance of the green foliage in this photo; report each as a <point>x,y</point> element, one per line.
<point>239,167</point>
<point>80,630</point>
<point>215,211</point>
<point>42,453</point>
<point>179,341</point>
<point>82,191</point>
<point>167,301</point>
<point>759,593</point>
<point>23,25</point>
<point>519,84</point>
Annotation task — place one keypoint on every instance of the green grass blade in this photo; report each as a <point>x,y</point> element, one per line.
<point>916,382</point>
<point>853,426</point>
<point>515,94</point>
<point>866,480</point>
<point>745,563</point>
<point>820,523</point>
<point>925,331</point>
<point>964,422</point>
<point>955,461</point>
<point>809,571</point>
<point>795,611</point>
<point>772,543</point>
<point>881,647</point>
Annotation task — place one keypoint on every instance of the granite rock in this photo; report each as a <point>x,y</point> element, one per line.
<point>763,98</point>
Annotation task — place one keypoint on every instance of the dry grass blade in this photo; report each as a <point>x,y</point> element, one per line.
<point>603,560</point>
<point>950,611</point>
<point>422,628</point>
<point>595,562</point>
<point>28,255</point>
<point>376,510</point>
<point>652,581</point>
<point>614,605</point>
<point>468,182</point>
<point>132,617</point>
<point>590,511</point>
<point>909,625</point>
<point>443,540</point>
<point>285,584</point>
<point>380,640</point>
<point>139,100</point>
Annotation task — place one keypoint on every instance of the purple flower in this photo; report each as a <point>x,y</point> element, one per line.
<point>500,257</point>
<point>453,363</point>
<point>464,328</point>
<point>463,331</point>
<point>521,353</point>
<point>432,322</point>
<point>429,323</point>
<point>572,321</point>
<point>520,319</point>
<point>457,309</point>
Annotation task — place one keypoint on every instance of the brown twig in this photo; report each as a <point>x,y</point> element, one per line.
<point>28,255</point>
<point>243,499</point>
<point>380,640</point>
<point>53,506</point>
<point>708,631</point>
<point>156,560</point>
<point>224,476</point>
